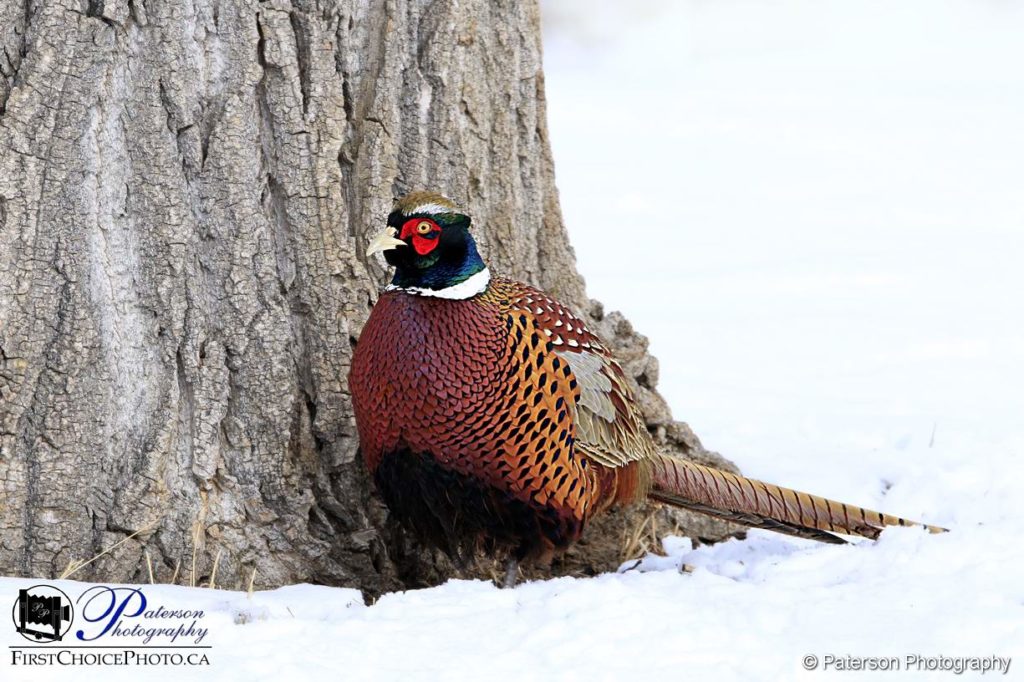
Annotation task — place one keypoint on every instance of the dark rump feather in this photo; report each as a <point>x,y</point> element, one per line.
<point>460,514</point>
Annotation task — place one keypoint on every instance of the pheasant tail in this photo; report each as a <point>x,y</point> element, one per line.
<point>762,505</point>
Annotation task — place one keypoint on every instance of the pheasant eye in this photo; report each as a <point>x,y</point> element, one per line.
<point>424,227</point>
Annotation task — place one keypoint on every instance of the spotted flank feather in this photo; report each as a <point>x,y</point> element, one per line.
<point>610,428</point>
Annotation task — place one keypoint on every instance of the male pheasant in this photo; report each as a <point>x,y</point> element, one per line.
<point>492,419</point>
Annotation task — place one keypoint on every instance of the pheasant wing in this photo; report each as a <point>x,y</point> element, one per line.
<point>609,428</point>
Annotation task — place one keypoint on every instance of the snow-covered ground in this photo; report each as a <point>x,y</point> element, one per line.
<point>815,210</point>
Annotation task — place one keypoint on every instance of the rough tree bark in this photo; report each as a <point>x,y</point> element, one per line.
<point>186,189</point>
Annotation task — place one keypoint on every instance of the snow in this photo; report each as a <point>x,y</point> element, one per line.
<point>819,222</point>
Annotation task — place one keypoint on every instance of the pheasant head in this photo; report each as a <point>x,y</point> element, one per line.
<point>428,242</point>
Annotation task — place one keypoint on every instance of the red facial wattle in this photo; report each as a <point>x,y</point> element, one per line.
<point>425,234</point>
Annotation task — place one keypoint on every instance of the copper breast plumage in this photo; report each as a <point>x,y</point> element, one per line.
<point>475,386</point>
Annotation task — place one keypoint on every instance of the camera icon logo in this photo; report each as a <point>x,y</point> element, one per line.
<point>43,613</point>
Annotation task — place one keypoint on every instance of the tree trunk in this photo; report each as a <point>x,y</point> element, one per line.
<point>186,191</point>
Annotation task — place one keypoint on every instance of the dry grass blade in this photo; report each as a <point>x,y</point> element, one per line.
<point>213,571</point>
<point>252,580</point>
<point>75,567</point>
<point>177,568</point>
<point>643,539</point>
<point>195,545</point>
<point>149,566</point>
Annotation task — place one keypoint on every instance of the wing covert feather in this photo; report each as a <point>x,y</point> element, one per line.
<point>609,428</point>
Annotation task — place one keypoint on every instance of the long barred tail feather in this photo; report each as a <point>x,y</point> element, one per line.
<point>750,502</point>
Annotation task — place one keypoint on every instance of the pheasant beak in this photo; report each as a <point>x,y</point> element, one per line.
<point>384,241</point>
